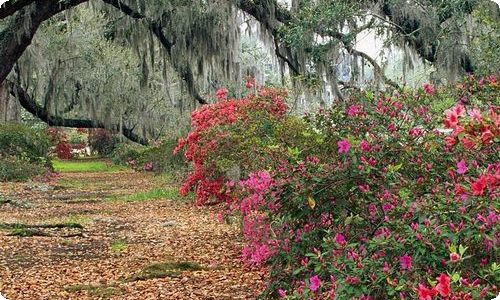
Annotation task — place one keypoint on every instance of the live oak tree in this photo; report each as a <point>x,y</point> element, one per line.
<point>139,52</point>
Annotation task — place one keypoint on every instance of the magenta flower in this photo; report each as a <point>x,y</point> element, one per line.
<point>344,146</point>
<point>314,283</point>
<point>282,293</point>
<point>428,89</point>
<point>340,239</point>
<point>461,167</point>
<point>405,261</point>
<point>365,146</point>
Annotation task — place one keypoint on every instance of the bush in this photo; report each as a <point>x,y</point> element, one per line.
<point>161,158</point>
<point>23,152</point>
<point>101,141</point>
<point>13,168</point>
<point>63,151</point>
<point>369,200</point>
<point>230,137</point>
<point>124,154</point>
<point>21,141</point>
<point>158,158</point>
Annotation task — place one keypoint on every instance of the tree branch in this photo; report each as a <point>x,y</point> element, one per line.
<point>37,110</point>
<point>11,7</point>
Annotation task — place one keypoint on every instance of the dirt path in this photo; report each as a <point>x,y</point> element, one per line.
<point>94,245</point>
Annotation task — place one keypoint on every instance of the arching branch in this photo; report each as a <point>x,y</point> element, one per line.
<point>39,111</point>
<point>11,7</point>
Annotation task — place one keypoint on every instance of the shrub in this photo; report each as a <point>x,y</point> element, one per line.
<point>123,153</point>
<point>21,141</point>
<point>101,141</point>
<point>13,168</point>
<point>63,151</point>
<point>23,152</point>
<point>157,158</point>
<point>230,135</point>
<point>369,200</point>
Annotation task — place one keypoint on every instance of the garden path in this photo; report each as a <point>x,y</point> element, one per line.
<point>115,235</point>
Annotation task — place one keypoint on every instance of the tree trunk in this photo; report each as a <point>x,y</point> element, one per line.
<point>10,110</point>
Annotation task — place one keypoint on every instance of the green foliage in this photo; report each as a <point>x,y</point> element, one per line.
<point>23,142</point>
<point>171,193</point>
<point>85,165</point>
<point>158,158</point>
<point>23,152</point>
<point>118,246</point>
<point>13,168</point>
<point>98,291</point>
<point>485,45</point>
<point>124,153</point>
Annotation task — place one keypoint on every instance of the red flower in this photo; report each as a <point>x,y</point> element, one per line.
<point>451,120</point>
<point>454,257</point>
<point>424,293</point>
<point>450,141</point>
<point>477,187</point>
<point>250,83</point>
<point>428,89</point>
<point>221,94</point>
<point>405,262</point>
<point>468,143</point>
<point>486,136</point>
<point>443,286</point>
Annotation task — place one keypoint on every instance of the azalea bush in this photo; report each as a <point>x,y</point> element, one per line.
<point>390,197</point>
<point>229,139</point>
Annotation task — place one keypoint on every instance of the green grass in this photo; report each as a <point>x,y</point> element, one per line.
<point>170,193</point>
<point>69,166</point>
<point>118,246</point>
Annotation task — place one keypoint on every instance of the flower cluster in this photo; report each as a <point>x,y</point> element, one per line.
<point>208,137</point>
<point>372,199</point>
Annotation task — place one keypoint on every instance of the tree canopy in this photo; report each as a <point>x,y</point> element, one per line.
<point>131,64</point>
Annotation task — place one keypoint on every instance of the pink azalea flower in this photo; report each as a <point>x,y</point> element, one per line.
<point>314,283</point>
<point>454,257</point>
<point>365,146</point>
<point>462,167</point>
<point>340,239</point>
<point>428,89</point>
<point>405,262</point>
<point>282,293</point>
<point>221,94</point>
<point>344,146</point>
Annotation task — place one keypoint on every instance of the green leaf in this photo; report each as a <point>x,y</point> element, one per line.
<point>461,250</point>
<point>455,277</point>
<point>452,248</point>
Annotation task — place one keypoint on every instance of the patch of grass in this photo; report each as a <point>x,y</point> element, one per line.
<point>165,269</point>
<point>73,220</point>
<point>118,246</point>
<point>98,291</point>
<point>26,230</point>
<point>69,166</point>
<point>22,231</point>
<point>170,193</point>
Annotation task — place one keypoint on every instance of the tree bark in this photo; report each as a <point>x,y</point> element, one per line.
<point>37,110</point>
<point>10,110</point>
